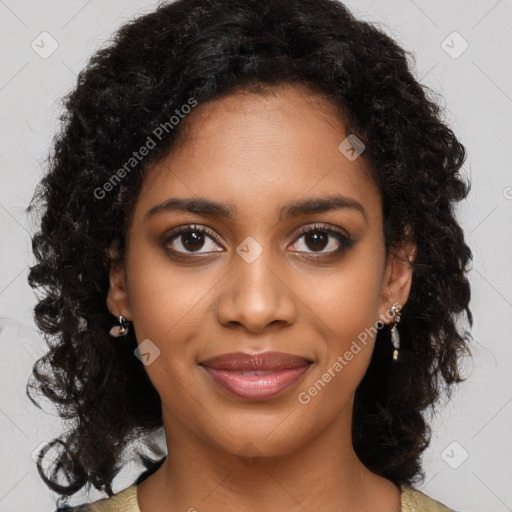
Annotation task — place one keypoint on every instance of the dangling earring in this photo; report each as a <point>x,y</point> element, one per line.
<point>120,330</point>
<point>395,337</point>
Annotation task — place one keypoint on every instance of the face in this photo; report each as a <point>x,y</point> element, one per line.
<point>261,270</point>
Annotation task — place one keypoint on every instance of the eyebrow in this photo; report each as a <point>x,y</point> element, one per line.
<point>211,208</point>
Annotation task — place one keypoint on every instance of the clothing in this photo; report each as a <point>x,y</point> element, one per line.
<point>126,501</point>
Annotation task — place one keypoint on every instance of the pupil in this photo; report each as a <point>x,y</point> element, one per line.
<point>318,243</point>
<point>196,239</point>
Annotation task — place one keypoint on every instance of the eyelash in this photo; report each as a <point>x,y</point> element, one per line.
<point>345,241</point>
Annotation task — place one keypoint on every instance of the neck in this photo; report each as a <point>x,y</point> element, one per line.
<point>322,474</point>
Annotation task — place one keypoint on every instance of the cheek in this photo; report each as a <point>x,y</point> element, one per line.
<point>163,297</point>
<point>345,310</point>
<point>167,307</point>
<point>346,300</point>
<point>348,327</point>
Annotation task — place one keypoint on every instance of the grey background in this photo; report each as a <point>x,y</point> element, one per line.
<point>468,464</point>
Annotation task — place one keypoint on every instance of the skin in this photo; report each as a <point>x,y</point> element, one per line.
<point>258,151</point>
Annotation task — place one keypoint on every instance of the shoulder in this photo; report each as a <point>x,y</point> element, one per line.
<point>415,501</point>
<point>79,508</point>
<point>124,501</point>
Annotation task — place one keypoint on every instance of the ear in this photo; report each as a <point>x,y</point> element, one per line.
<point>117,295</point>
<point>397,277</point>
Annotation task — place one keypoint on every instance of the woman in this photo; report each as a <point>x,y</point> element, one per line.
<point>248,239</point>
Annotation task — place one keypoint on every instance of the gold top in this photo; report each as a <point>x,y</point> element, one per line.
<point>126,501</point>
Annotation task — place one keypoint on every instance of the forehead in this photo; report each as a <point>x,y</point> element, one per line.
<point>266,147</point>
<point>259,107</point>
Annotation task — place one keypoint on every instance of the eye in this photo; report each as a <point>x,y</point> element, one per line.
<point>191,238</point>
<point>320,237</point>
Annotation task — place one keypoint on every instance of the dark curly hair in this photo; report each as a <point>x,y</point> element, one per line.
<point>204,49</point>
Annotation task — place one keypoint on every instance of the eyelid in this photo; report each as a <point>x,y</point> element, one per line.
<point>343,237</point>
<point>322,227</point>
<point>188,228</point>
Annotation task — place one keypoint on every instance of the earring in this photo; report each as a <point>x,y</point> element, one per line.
<point>395,337</point>
<point>120,330</point>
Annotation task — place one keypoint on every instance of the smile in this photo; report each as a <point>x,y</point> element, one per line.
<point>256,385</point>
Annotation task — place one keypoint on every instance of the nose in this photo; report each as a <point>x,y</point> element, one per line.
<point>255,295</point>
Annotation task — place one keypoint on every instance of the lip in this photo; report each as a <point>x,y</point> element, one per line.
<point>276,373</point>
